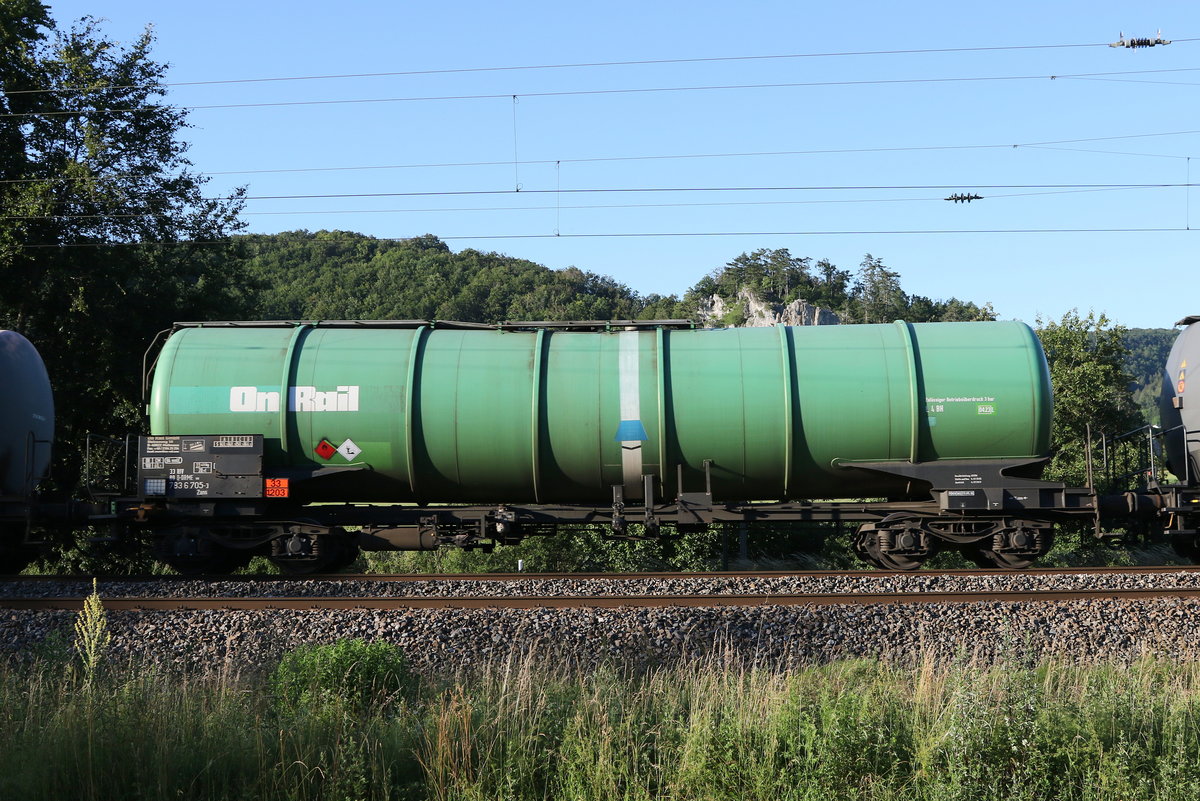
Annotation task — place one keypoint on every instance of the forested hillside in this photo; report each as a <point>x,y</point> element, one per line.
<point>1148,349</point>
<point>343,275</point>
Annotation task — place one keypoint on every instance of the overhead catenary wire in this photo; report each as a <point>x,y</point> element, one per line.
<point>827,233</point>
<point>1107,152</point>
<point>1058,188</point>
<point>585,207</point>
<point>574,65</point>
<point>827,188</point>
<point>689,189</point>
<point>1129,80</point>
<point>658,234</point>
<point>1045,145</point>
<point>145,109</point>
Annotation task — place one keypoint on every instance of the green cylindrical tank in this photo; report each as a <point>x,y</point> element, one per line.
<point>26,416</point>
<point>559,416</point>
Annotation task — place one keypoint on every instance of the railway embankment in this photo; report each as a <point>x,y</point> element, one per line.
<point>1005,619</point>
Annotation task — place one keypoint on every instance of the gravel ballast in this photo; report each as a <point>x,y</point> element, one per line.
<point>439,641</point>
<point>865,582</point>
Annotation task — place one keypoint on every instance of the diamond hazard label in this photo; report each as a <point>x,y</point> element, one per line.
<point>325,450</point>
<point>349,450</point>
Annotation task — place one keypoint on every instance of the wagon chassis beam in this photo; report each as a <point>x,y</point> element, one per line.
<point>688,510</point>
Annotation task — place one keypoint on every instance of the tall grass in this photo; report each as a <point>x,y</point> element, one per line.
<point>849,730</point>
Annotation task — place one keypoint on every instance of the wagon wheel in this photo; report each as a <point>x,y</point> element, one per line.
<point>331,552</point>
<point>866,545</point>
<point>905,562</point>
<point>987,558</point>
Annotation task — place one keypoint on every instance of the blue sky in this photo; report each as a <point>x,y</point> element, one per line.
<point>1139,278</point>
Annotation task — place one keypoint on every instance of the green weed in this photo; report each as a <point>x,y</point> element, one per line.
<point>361,676</point>
<point>349,721</point>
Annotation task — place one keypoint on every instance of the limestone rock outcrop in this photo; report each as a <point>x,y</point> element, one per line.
<point>758,313</point>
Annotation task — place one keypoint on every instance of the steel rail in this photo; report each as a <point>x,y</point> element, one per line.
<point>599,602</point>
<point>755,574</point>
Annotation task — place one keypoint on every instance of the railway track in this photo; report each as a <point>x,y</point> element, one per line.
<point>774,618</point>
<point>598,601</point>
<point>602,590</point>
<point>415,577</point>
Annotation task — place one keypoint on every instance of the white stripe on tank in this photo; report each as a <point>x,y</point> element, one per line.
<point>631,409</point>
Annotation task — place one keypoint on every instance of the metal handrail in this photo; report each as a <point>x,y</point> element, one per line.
<point>90,481</point>
<point>1153,436</point>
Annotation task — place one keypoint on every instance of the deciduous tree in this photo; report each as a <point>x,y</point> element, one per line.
<point>1087,357</point>
<point>106,235</point>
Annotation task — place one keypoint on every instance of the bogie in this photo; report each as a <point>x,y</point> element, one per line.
<point>310,549</point>
<point>900,543</point>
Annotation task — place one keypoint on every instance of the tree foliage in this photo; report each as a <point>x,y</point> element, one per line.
<point>342,275</point>
<point>107,236</point>
<point>877,297</point>
<point>872,295</point>
<point>776,276</point>
<point>877,293</point>
<point>1148,351</point>
<point>1087,357</point>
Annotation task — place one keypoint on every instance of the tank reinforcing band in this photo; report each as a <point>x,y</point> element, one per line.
<point>788,356</point>
<point>410,410</point>
<point>285,383</point>
<point>539,370</point>
<point>909,337</point>
<point>660,343</point>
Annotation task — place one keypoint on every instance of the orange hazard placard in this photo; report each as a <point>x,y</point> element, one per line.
<point>276,487</point>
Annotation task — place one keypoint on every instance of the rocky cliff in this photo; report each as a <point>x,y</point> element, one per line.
<point>747,309</point>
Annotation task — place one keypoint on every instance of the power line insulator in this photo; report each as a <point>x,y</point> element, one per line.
<point>1142,41</point>
<point>959,197</point>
